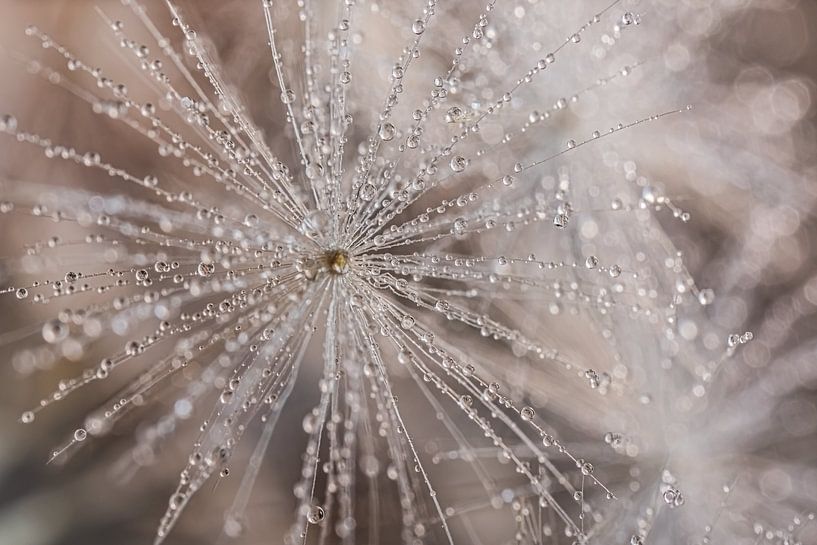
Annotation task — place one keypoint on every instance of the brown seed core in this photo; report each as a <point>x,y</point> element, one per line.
<point>337,261</point>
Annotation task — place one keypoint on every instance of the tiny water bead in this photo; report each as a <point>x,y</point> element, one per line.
<point>288,96</point>
<point>205,269</point>
<point>316,514</point>
<point>459,226</point>
<point>8,123</point>
<point>673,497</point>
<point>54,331</point>
<point>455,114</point>
<point>630,18</point>
<point>387,131</point>
<point>458,163</point>
<point>706,296</point>
<point>368,191</point>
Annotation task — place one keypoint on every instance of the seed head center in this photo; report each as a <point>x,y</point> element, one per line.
<point>337,261</point>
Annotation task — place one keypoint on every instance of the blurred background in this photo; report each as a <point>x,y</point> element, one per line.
<point>742,163</point>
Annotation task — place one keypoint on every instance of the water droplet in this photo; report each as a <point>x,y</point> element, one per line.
<point>386,131</point>
<point>288,96</point>
<point>367,191</point>
<point>630,18</point>
<point>8,123</point>
<point>205,269</point>
<point>454,115</point>
<point>458,163</point>
<point>54,331</point>
<point>176,501</point>
<point>560,221</point>
<point>459,225</point>
<point>706,296</point>
<point>316,514</point>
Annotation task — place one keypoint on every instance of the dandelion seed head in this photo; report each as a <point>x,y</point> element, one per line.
<point>436,224</point>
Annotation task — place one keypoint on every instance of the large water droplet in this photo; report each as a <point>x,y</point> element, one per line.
<point>316,514</point>
<point>458,163</point>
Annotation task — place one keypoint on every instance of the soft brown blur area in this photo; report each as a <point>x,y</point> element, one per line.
<point>743,163</point>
